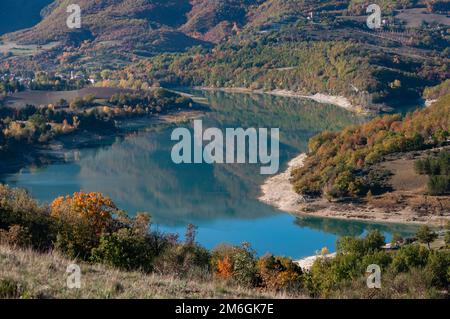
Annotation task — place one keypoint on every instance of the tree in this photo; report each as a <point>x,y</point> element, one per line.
<point>191,232</point>
<point>77,103</point>
<point>426,236</point>
<point>447,234</point>
<point>94,208</point>
<point>374,241</point>
<point>396,238</point>
<point>81,220</point>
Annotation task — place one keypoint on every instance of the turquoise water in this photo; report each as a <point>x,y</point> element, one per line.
<point>137,172</point>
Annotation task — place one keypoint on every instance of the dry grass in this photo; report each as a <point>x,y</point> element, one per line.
<point>44,276</point>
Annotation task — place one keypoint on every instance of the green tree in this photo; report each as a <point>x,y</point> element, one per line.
<point>426,236</point>
<point>396,238</point>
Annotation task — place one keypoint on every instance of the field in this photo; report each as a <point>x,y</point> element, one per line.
<point>37,98</point>
<point>24,50</point>
<point>409,189</point>
<point>415,17</point>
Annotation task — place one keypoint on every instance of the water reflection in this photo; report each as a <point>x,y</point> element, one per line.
<point>341,227</point>
<point>138,173</point>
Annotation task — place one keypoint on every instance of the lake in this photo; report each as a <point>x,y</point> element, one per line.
<point>137,172</point>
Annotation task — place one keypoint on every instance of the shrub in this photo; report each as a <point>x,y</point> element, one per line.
<point>94,208</point>
<point>183,261</point>
<point>279,273</point>
<point>361,246</point>
<point>380,258</point>
<point>186,259</point>
<point>239,261</point>
<point>320,279</point>
<point>244,265</point>
<point>408,257</point>
<point>447,234</point>
<point>15,236</point>
<point>225,268</point>
<point>374,241</point>
<point>18,208</point>
<point>76,238</point>
<point>124,249</point>
<point>81,220</point>
<point>438,267</point>
<point>438,185</point>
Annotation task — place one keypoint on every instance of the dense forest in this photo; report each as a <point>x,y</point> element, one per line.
<point>306,67</point>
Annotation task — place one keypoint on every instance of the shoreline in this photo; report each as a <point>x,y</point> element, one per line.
<point>336,100</point>
<point>277,191</point>
<point>51,151</point>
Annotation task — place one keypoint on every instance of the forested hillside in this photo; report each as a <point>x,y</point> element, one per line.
<point>282,48</point>
<point>298,45</point>
<point>342,164</point>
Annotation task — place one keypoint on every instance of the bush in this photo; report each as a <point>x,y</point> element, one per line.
<point>320,279</point>
<point>183,260</point>
<point>438,185</point>
<point>408,257</point>
<point>438,267</point>
<point>438,168</point>
<point>18,208</point>
<point>447,234</point>
<point>236,263</point>
<point>124,249</point>
<point>81,221</point>
<point>76,238</point>
<point>279,273</point>
<point>15,236</point>
<point>361,246</point>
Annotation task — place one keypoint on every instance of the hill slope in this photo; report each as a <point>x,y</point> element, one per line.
<point>29,274</point>
<point>339,164</point>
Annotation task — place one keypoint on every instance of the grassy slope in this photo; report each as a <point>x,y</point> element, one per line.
<point>44,276</point>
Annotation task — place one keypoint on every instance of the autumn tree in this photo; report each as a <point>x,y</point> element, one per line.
<point>82,219</point>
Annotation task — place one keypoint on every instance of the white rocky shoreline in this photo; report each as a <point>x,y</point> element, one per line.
<point>336,100</point>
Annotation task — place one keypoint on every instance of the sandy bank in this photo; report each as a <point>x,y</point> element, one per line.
<point>307,262</point>
<point>340,101</point>
<point>277,191</point>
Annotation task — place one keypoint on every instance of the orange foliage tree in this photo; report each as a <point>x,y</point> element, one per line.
<point>93,208</point>
<point>224,268</point>
<point>82,218</point>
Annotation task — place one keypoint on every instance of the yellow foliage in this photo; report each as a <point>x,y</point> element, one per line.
<point>93,208</point>
<point>225,268</point>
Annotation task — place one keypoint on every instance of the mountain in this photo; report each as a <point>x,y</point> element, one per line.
<point>20,14</point>
<point>141,20</point>
<point>306,46</point>
<point>127,21</point>
<point>125,29</point>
